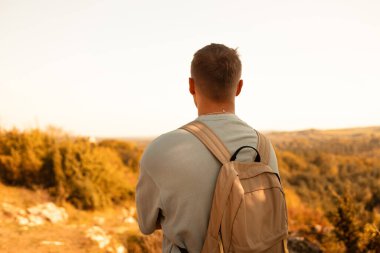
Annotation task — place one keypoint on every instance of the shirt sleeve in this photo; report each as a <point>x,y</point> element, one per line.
<point>148,202</point>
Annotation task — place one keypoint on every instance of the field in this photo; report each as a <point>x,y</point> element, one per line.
<point>331,179</point>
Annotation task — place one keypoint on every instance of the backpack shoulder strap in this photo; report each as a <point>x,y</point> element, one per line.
<point>263,147</point>
<point>209,139</point>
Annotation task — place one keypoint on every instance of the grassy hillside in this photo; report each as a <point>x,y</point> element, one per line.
<point>331,179</point>
<point>333,183</point>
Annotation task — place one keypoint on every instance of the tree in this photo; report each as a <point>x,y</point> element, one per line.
<point>346,222</point>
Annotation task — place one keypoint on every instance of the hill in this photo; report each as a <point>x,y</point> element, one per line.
<point>333,182</point>
<point>331,179</point>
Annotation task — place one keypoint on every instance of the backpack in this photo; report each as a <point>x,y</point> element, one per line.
<point>248,212</point>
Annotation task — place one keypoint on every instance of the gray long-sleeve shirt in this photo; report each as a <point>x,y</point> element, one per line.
<point>177,179</point>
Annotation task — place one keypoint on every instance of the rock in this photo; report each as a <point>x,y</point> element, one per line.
<point>35,220</point>
<point>117,249</point>
<point>300,245</point>
<point>104,240</point>
<point>49,211</point>
<point>98,235</point>
<point>121,229</point>
<point>10,209</point>
<point>99,220</point>
<point>120,249</point>
<point>127,212</point>
<point>22,220</point>
<point>132,211</point>
<point>56,243</point>
<point>110,250</point>
<point>318,228</point>
<point>22,212</point>
<point>130,220</point>
<point>36,215</point>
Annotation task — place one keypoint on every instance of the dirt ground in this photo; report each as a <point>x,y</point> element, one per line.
<point>45,238</point>
<point>64,237</point>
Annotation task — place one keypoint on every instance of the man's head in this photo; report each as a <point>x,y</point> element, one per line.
<point>216,72</point>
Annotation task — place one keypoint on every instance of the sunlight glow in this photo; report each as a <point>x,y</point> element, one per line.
<point>120,68</point>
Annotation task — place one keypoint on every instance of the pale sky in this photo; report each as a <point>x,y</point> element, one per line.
<point>121,68</point>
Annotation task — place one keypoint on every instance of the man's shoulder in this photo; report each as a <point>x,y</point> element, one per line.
<point>167,145</point>
<point>168,139</point>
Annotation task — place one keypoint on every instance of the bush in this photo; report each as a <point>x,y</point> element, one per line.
<point>87,175</point>
<point>139,243</point>
<point>128,152</point>
<point>357,235</point>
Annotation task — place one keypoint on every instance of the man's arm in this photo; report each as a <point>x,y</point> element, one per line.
<point>148,202</point>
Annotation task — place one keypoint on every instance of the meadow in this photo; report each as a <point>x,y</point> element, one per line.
<point>331,180</point>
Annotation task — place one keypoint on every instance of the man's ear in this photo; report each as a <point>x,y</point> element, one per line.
<point>191,86</point>
<point>239,87</point>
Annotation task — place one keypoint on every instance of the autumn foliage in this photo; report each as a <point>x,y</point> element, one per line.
<point>331,179</point>
<point>333,186</point>
<point>73,169</point>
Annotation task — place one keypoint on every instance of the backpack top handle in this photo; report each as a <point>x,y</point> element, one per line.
<point>257,159</point>
<point>217,147</point>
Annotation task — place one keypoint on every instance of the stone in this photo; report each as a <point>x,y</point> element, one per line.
<point>55,243</point>
<point>99,220</point>
<point>10,209</point>
<point>22,220</point>
<point>127,212</point>
<point>318,228</point>
<point>36,215</point>
<point>132,211</point>
<point>35,220</point>
<point>49,211</point>
<point>130,220</point>
<point>120,249</point>
<point>98,235</point>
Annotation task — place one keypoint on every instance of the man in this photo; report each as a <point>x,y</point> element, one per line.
<point>177,172</point>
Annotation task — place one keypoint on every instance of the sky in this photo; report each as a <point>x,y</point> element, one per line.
<point>120,68</point>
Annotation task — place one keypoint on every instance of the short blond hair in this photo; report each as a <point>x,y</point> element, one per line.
<point>216,69</point>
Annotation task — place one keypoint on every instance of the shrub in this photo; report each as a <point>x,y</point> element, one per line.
<point>87,175</point>
<point>139,243</point>
<point>128,152</point>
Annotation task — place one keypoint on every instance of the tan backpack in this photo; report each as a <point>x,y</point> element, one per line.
<point>248,212</point>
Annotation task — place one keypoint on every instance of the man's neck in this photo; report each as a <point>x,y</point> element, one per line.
<point>216,108</point>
